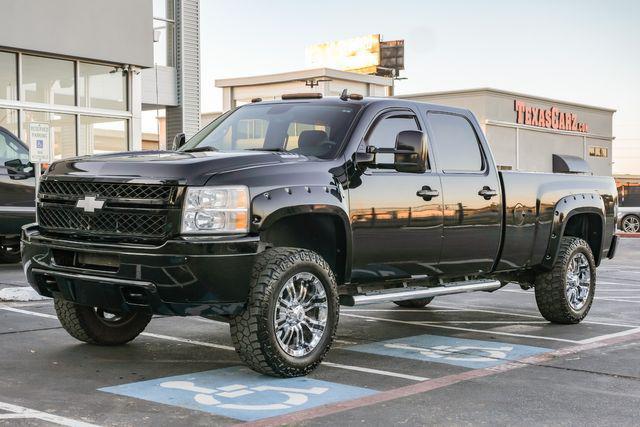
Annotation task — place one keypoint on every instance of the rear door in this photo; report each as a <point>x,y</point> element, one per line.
<point>17,196</point>
<point>471,194</point>
<point>396,232</point>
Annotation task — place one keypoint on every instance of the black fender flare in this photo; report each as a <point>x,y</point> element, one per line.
<point>566,208</point>
<point>271,206</point>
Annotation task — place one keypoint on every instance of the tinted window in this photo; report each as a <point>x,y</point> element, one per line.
<point>11,150</point>
<point>384,134</point>
<point>629,196</point>
<point>458,147</point>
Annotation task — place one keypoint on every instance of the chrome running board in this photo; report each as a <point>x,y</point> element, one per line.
<point>403,294</point>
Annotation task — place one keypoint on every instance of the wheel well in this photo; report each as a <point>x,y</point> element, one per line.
<point>321,233</point>
<point>587,226</point>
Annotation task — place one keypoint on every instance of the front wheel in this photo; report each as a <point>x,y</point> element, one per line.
<point>291,316</point>
<point>9,254</point>
<point>631,224</point>
<point>565,294</point>
<point>96,326</point>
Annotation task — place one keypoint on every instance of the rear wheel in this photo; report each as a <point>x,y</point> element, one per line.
<point>565,294</point>
<point>414,303</point>
<point>291,315</point>
<point>97,326</point>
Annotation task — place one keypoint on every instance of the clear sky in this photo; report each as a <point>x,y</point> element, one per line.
<point>581,51</point>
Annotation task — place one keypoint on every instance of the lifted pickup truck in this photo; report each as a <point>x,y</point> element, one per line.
<point>279,212</point>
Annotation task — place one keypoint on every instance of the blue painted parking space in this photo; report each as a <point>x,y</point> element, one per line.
<point>239,393</point>
<point>454,351</point>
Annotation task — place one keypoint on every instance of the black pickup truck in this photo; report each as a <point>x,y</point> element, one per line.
<point>279,212</point>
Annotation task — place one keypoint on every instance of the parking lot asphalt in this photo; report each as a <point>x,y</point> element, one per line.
<point>482,358</point>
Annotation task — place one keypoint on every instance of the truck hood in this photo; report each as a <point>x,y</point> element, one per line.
<point>185,168</point>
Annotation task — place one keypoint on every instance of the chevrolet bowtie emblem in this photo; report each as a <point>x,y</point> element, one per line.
<point>90,204</point>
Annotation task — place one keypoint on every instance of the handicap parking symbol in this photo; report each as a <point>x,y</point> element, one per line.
<point>239,393</point>
<point>454,351</point>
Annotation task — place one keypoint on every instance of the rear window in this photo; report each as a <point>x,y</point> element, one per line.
<point>457,143</point>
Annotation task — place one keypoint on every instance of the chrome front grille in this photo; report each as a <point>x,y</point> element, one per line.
<point>107,190</point>
<point>129,212</point>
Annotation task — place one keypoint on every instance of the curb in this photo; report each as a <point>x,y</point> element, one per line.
<point>628,235</point>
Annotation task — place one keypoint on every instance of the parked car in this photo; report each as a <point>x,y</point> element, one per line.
<point>17,194</point>
<point>629,219</point>
<point>277,213</point>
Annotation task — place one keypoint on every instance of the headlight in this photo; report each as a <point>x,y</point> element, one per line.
<point>210,210</point>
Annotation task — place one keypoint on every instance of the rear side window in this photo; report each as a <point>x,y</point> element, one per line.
<point>457,142</point>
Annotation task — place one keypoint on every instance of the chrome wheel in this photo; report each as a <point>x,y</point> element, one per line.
<point>578,284</point>
<point>300,316</point>
<point>631,224</point>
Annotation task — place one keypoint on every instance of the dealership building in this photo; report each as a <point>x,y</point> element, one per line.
<point>91,70</point>
<point>524,131</point>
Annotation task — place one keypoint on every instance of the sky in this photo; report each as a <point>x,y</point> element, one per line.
<point>580,51</point>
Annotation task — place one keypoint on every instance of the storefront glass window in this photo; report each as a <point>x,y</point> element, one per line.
<point>8,76</point>
<point>47,80</point>
<point>103,134</point>
<point>101,86</point>
<point>9,120</point>
<point>63,131</point>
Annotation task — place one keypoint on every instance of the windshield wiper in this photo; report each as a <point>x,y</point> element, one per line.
<point>203,148</point>
<point>276,149</point>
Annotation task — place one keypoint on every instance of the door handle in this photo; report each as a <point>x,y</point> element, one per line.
<point>427,193</point>
<point>487,192</point>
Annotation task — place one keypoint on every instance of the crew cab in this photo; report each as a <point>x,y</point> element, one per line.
<point>17,194</point>
<point>278,212</point>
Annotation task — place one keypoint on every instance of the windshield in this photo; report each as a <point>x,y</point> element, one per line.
<point>302,128</point>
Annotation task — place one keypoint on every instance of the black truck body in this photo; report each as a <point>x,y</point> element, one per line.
<point>109,229</point>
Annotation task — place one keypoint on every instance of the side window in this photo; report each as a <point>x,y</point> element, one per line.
<point>457,142</point>
<point>384,132</point>
<point>11,150</point>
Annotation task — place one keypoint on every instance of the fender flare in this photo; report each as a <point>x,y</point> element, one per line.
<point>565,209</point>
<point>271,206</point>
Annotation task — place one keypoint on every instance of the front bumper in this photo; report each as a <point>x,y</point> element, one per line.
<point>190,276</point>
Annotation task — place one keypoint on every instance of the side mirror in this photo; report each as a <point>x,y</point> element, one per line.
<point>410,154</point>
<point>18,170</point>
<point>178,141</point>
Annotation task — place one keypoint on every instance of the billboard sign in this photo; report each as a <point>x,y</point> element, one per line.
<point>353,54</point>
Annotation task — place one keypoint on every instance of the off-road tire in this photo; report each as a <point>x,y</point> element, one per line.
<point>551,296</point>
<point>414,303</point>
<point>82,323</point>
<point>253,332</point>
<point>9,257</point>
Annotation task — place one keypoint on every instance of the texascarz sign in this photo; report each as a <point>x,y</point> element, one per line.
<point>551,118</point>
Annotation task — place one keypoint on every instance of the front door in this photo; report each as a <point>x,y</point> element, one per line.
<point>471,194</point>
<point>396,217</point>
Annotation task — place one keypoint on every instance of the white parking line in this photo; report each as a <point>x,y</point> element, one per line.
<point>455,328</point>
<point>229,348</point>
<point>20,412</point>
<point>515,291</point>
<point>375,371</point>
